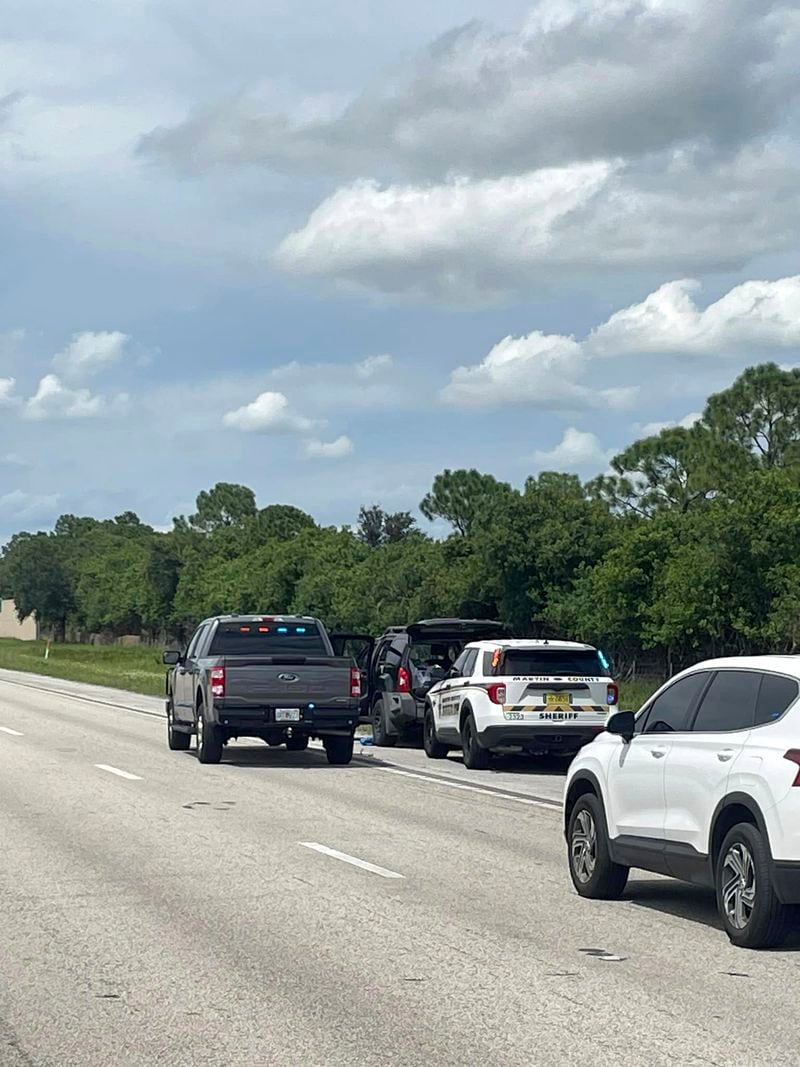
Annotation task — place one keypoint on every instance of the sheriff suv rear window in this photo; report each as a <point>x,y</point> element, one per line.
<point>552,664</point>
<point>267,639</point>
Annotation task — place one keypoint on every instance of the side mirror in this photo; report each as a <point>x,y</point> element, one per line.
<point>623,724</point>
<point>172,658</point>
<point>454,672</point>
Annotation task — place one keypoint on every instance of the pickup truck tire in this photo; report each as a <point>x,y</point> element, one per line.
<point>339,750</point>
<point>209,738</point>
<point>297,744</point>
<point>178,740</point>
<point>434,749</point>
<point>476,758</point>
<point>380,731</point>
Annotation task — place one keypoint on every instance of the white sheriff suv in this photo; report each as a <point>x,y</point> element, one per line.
<point>539,696</point>
<point>703,784</point>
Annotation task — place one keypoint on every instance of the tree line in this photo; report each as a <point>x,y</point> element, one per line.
<point>689,546</point>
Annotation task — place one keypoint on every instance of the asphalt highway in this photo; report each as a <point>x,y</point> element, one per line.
<point>276,910</point>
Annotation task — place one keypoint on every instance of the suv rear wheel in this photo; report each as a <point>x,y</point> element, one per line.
<point>380,730</point>
<point>297,744</point>
<point>593,872</point>
<point>476,758</point>
<point>751,913</point>
<point>434,749</point>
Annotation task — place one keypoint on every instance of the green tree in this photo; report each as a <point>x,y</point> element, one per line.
<point>760,413</point>
<point>457,496</point>
<point>224,505</point>
<point>377,527</point>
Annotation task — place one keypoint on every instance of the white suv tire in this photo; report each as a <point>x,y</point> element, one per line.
<point>751,913</point>
<point>593,872</point>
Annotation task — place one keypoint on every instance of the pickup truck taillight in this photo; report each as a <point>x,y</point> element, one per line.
<point>612,696</point>
<point>497,692</point>
<point>355,682</point>
<point>403,681</point>
<point>218,681</point>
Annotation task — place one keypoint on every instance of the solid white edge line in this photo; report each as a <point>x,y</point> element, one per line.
<point>10,732</point>
<point>555,806</point>
<point>353,860</point>
<point>118,772</point>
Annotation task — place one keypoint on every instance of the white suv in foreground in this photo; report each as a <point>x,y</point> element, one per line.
<point>538,696</point>
<point>702,785</point>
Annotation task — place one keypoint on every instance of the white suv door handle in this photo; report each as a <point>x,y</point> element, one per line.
<point>658,753</point>
<point>726,754</point>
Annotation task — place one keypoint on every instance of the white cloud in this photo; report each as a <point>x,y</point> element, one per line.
<point>471,243</point>
<point>651,429</point>
<point>90,352</point>
<point>540,369</point>
<point>337,449</point>
<point>584,79</point>
<point>373,366</point>
<point>7,391</point>
<point>576,450</point>
<point>752,316</point>
<point>268,413</point>
<point>54,400</point>
<point>461,242</point>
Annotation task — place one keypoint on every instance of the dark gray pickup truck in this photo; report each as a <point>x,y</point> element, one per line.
<point>269,676</point>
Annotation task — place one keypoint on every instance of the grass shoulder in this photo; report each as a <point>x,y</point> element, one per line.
<point>138,670</point>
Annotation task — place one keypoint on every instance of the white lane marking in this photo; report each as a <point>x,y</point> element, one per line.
<point>13,733</point>
<point>118,772</point>
<point>354,860</point>
<point>555,806</point>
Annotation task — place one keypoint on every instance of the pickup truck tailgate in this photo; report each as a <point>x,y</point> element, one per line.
<point>289,681</point>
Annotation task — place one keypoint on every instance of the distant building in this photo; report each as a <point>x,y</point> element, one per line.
<point>10,626</point>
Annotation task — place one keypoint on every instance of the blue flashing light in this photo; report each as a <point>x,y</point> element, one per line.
<point>283,629</point>
<point>311,707</point>
<point>300,630</point>
<point>603,659</point>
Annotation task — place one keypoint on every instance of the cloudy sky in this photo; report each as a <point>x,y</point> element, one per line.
<point>328,249</point>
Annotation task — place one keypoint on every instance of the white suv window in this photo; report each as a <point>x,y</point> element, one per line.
<point>775,697</point>
<point>671,710</point>
<point>729,703</point>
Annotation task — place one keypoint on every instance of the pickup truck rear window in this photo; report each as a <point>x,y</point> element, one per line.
<point>257,639</point>
<point>555,663</point>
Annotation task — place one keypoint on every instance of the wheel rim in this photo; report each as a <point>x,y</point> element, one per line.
<point>200,729</point>
<point>584,846</point>
<point>738,885</point>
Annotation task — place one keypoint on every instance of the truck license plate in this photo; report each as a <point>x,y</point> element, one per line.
<point>287,715</point>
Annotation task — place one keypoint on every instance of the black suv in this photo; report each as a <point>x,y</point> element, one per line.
<point>406,662</point>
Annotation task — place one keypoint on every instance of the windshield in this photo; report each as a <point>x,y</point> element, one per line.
<point>555,663</point>
<point>257,639</point>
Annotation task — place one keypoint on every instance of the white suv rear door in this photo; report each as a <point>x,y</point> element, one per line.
<point>636,789</point>
<point>701,760</point>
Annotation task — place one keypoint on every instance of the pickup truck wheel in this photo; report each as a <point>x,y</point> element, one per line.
<point>177,740</point>
<point>434,749</point>
<point>380,732</point>
<point>297,744</point>
<point>209,739</point>
<point>476,758</point>
<point>339,750</point>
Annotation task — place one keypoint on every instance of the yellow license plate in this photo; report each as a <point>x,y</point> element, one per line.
<point>559,700</point>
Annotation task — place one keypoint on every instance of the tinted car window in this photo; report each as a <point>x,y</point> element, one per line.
<point>458,666</point>
<point>729,702</point>
<point>774,698</point>
<point>671,710</point>
<point>261,639</point>
<point>552,664</point>
<point>195,641</point>
<point>469,663</point>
